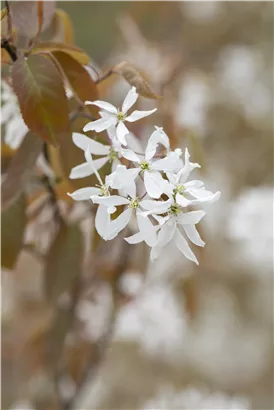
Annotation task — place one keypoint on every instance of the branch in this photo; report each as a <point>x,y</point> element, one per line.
<point>104,76</point>
<point>53,199</point>
<point>9,20</point>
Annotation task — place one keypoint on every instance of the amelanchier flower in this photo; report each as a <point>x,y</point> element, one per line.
<point>110,153</point>
<point>191,192</point>
<point>174,218</point>
<point>161,209</point>
<point>133,205</point>
<point>151,168</point>
<point>112,116</point>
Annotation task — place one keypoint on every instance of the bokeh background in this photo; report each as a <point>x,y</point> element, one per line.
<point>184,337</point>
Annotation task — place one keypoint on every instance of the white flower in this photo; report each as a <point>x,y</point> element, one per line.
<point>188,193</point>
<point>123,179</point>
<point>102,218</point>
<point>151,169</point>
<point>111,116</point>
<point>15,127</point>
<point>108,153</point>
<point>169,226</point>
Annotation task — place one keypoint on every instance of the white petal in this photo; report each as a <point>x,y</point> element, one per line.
<point>155,139</point>
<point>154,184</point>
<point>181,200</point>
<point>81,171</point>
<point>102,221</point>
<point>137,115</point>
<point>113,200</point>
<point>195,183</point>
<point>157,207</point>
<point>204,196</point>
<point>123,178</point>
<point>168,163</point>
<point>122,131</point>
<point>84,170</point>
<point>119,223</point>
<point>104,105</point>
<point>190,218</point>
<point>147,229</point>
<point>93,163</point>
<point>83,194</point>
<point>166,233</point>
<point>136,238</point>
<point>188,167</point>
<point>130,155</point>
<point>129,100</point>
<point>183,246</point>
<point>101,124</point>
<point>82,142</point>
<point>193,235</point>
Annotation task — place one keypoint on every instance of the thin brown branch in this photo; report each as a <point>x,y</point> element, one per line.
<point>53,198</point>
<point>10,36</point>
<point>104,76</point>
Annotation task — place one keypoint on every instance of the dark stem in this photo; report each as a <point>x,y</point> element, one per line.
<point>104,76</point>
<point>10,48</point>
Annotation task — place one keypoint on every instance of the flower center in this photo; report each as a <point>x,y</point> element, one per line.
<point>120,116</point>
<point>145,166</point>
<point>175,209</point>
<point>134,204</point>
<point>112,154</point>
<point>179,189</point>
<point>104,191</point>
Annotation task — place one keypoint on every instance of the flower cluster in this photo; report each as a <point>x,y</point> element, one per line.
<point>153,188</point>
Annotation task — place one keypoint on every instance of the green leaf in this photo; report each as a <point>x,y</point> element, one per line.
<point>20,169</point>
<point>41,94</point>
<point>25,16</point>
<point>77,76</point>
<point>64,261</point>
<point>77,53</point>
<point>3,13</point>
<point>13,222</point>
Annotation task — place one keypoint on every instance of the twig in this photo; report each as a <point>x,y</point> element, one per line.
<point>53,199</point>
<point>10,48</point>
<point>104,76</point>
<point>9,21</point>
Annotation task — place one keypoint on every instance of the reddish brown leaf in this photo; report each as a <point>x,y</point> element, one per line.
<point>42,98</point>
<point>77,53</point>
<point>24,16</point>
<point>40,16</point>
<point>62,27</point>
<point>135,78</point>
<point>20,169</point>
<point>77,76</point>
<point>63,261</point>
<point>13,221</point>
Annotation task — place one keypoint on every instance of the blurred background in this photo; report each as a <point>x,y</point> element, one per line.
<point>183,337</point>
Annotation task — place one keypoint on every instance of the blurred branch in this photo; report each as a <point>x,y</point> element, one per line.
<point>104,76</point>
<point>9,20</point>
<point>53,198</point>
